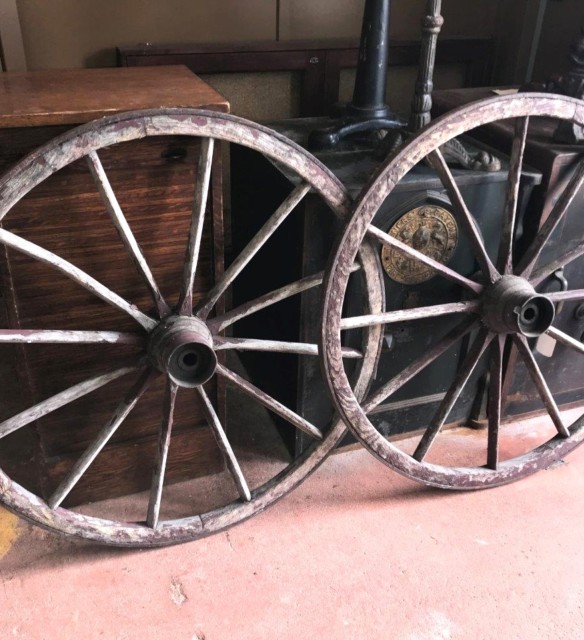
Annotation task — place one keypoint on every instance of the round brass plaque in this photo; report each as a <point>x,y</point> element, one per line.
<point>430,229</point>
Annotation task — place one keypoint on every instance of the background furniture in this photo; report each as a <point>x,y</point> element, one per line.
<point>324,67</point>
<point>154,183</point>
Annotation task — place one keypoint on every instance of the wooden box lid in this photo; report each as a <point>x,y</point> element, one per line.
<point>75,96</point>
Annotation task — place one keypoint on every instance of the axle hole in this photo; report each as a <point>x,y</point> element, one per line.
<point>530,314</point>
<point>190,359</point>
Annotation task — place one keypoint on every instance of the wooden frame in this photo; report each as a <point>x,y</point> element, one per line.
<point>320,62</point>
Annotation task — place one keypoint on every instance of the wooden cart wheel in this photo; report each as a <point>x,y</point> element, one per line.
<point>180,339</point>
<point>497,306</point>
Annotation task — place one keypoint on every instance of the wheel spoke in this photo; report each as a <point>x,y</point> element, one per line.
<point>397,382</point>
<point>472,359</point>
<point>162,454</point>
<point>61,399</point>
<point>406,315</point>
<point>505,259</point>
<point>566,296</point>
<point>77,275</point>
<point>185,304</point>
<point>440,268</point>
<point>270,403</point>
<point>225,446</point>
<point>541,385</point>
<point>120,414</point>
<point>565,339</point>
<point>123,228</point>
<point>464,216</point>
<point>529,260</point>
<point>275,346</point>
<point>43,336</point>
<point>257,304</point>
<point>255,244</point>
<point>541,274</point>
<point>494,404</point>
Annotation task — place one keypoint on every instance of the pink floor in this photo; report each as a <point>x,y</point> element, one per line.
<point>356,552</point>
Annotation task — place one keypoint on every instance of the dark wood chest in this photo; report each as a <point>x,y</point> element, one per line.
<point>154,181</point>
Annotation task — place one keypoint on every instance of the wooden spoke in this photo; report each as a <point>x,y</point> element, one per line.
<point>494,403</point>
<point>545,272</point>
<point>43,336</point>
<point>255,244</point>
<point>123,228</point>
<point>463,215</point>
<point>257,304</point>
<point>566,296</point>
<point>406,315</point>
<point>440,268</point>
<point>185,304</point>
<point>225,446</point>
<point>541,385</point>
<point>162,454</point>
<point>529,260</point>
<point>71,271</point>
<point>275,346</point>
<point>472,359</point>
<point>270,403</point>
<point>120,414</point>
<point>398,381</point>
<point>565,339</point>
<point>505,259</point>
<point>60,400</point>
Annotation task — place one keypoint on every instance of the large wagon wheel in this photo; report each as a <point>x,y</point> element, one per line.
<point>177,340</point>
<point>498,306</point>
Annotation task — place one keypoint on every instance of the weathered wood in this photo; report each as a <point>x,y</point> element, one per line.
<point>440,268</point>
<point>463,215</point>
<point>120,414</point>
<point>273,297</point>
<point>123,228</point>
<point>566,340</point>
<point>412,370</point>
<point>40,336</point>
<point>162,455</point>
<point>542,387</point>
<point>125,452</point>
<point>255,244</point>
<point>77,275</point>
<point>406,315</point>
<point>505,258</point>
<point>475,353</point>
<point>225,446</point>
<point>531,256</point>
<point>185,303</point>
<point>495,401</point>
<point>519,107</point>
<point>276,346</point>
<point>60,400</point>
<point>270,403</point>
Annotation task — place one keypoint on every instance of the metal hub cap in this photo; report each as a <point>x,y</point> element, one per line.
<point>182,347</point>
<point>511,305</point>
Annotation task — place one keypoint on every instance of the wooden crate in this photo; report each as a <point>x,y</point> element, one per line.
<point>154,181</point>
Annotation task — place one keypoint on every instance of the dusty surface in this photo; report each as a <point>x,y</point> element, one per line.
<point>356,552</point>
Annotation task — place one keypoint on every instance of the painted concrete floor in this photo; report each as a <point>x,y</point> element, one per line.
<point>356,553</point>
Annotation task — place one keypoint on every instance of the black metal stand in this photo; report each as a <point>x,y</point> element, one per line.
<point>368,111</point>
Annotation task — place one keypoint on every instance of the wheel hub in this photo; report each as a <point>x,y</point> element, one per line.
<point>182,347</point>
<point>511,305</point>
